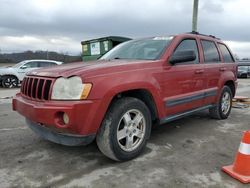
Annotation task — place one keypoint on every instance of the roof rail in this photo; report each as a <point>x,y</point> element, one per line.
<point>197,33</point>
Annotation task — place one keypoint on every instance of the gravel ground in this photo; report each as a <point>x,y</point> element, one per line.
<point>185,153</point>
<point>6,64</point>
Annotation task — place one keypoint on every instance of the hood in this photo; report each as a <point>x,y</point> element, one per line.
<point>242,71</point>
<point>5,70</point>
<point>5,67</point>
<point>90,68</point>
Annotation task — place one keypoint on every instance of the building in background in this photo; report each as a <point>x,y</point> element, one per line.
<point>95,48</point>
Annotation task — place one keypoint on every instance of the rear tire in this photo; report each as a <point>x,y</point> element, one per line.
<point>223,107</point>
<point>9,81</point>
<point>125,129</point>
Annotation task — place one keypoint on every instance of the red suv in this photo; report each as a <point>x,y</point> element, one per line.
<point>137,84</point>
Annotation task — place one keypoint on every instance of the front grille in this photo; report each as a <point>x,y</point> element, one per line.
<point>36,88</point>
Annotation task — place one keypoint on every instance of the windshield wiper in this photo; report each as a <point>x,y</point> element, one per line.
<point>114,58</point>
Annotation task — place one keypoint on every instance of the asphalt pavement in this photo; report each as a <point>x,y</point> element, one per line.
<point>185,153</point>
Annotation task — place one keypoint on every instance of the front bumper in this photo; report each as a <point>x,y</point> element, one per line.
<point>84,116</point>
<point>241,74</point>
<point>59,138</point>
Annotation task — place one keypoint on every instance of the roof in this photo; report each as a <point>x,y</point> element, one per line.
<point>197,33</point>
<point>41,60</point>
<point>44,60</point>
<point>112,38</point>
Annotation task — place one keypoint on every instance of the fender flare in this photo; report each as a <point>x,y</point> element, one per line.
<point>110,95</point>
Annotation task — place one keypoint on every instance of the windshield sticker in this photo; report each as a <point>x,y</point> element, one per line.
<point>162,38</point>
<point>85,47</point>
<point>106,45</point>
<point>95,48</point>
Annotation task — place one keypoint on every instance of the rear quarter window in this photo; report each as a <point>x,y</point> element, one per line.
<point>227,56</point>
<point>211,54</point>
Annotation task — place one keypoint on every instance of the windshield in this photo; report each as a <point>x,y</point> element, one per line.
<point>243,68</point>
<point>144,49</point>
<point>18,64</point>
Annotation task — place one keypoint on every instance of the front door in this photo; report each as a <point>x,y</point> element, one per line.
<point>184,82</point>
<point>26,68</point>
<point>213,69</point>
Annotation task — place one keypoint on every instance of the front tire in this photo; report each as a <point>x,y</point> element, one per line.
<point>125,129</point>
<point>223,107</point>
<point>9,81</point>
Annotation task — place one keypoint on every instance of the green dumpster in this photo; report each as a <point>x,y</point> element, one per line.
<point>95,48</point>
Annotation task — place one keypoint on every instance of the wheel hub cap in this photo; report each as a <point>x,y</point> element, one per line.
<point>225,103</point>
<point>131,130</point>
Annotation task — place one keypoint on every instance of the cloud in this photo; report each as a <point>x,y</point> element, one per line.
<point>239,48</point>
<point>23,43</point>
<point>212,7</point>
<point>69,22</point>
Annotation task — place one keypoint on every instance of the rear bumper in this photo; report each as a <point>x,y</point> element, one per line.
<point>84,116</point>
<point>59,138</point>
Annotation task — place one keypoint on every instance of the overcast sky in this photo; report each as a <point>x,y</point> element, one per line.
<point>60,25</point>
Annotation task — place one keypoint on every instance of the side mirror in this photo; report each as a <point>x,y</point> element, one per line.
<point>23,67</point>
<point>182,56</point>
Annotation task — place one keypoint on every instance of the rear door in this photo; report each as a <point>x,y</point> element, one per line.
<point>213,68</point>
<point>184,82</point>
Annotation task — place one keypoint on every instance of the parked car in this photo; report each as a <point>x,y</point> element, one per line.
<point>243,70</point>
<point>12,76</point>
<point>136,85</point>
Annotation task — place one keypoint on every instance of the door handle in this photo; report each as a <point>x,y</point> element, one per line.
<point>222,69</point>
<point>199,71</point>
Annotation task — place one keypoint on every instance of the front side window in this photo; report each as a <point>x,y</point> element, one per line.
<point>189,44</point>
<point>226,54</point>
<point>142,49</point>
<point>32,64</point>
<point>211,54</point>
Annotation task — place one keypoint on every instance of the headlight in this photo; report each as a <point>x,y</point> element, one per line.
<point>70,89</point>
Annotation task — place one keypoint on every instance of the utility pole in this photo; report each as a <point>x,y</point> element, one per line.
<point>195,15</point>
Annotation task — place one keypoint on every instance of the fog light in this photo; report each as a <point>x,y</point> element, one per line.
<point>65,118</point>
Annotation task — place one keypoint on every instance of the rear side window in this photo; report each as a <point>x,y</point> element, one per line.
<point>46,64</point>
<point>211,54</point>
<point>189,44</point>
<point>226,54</point>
